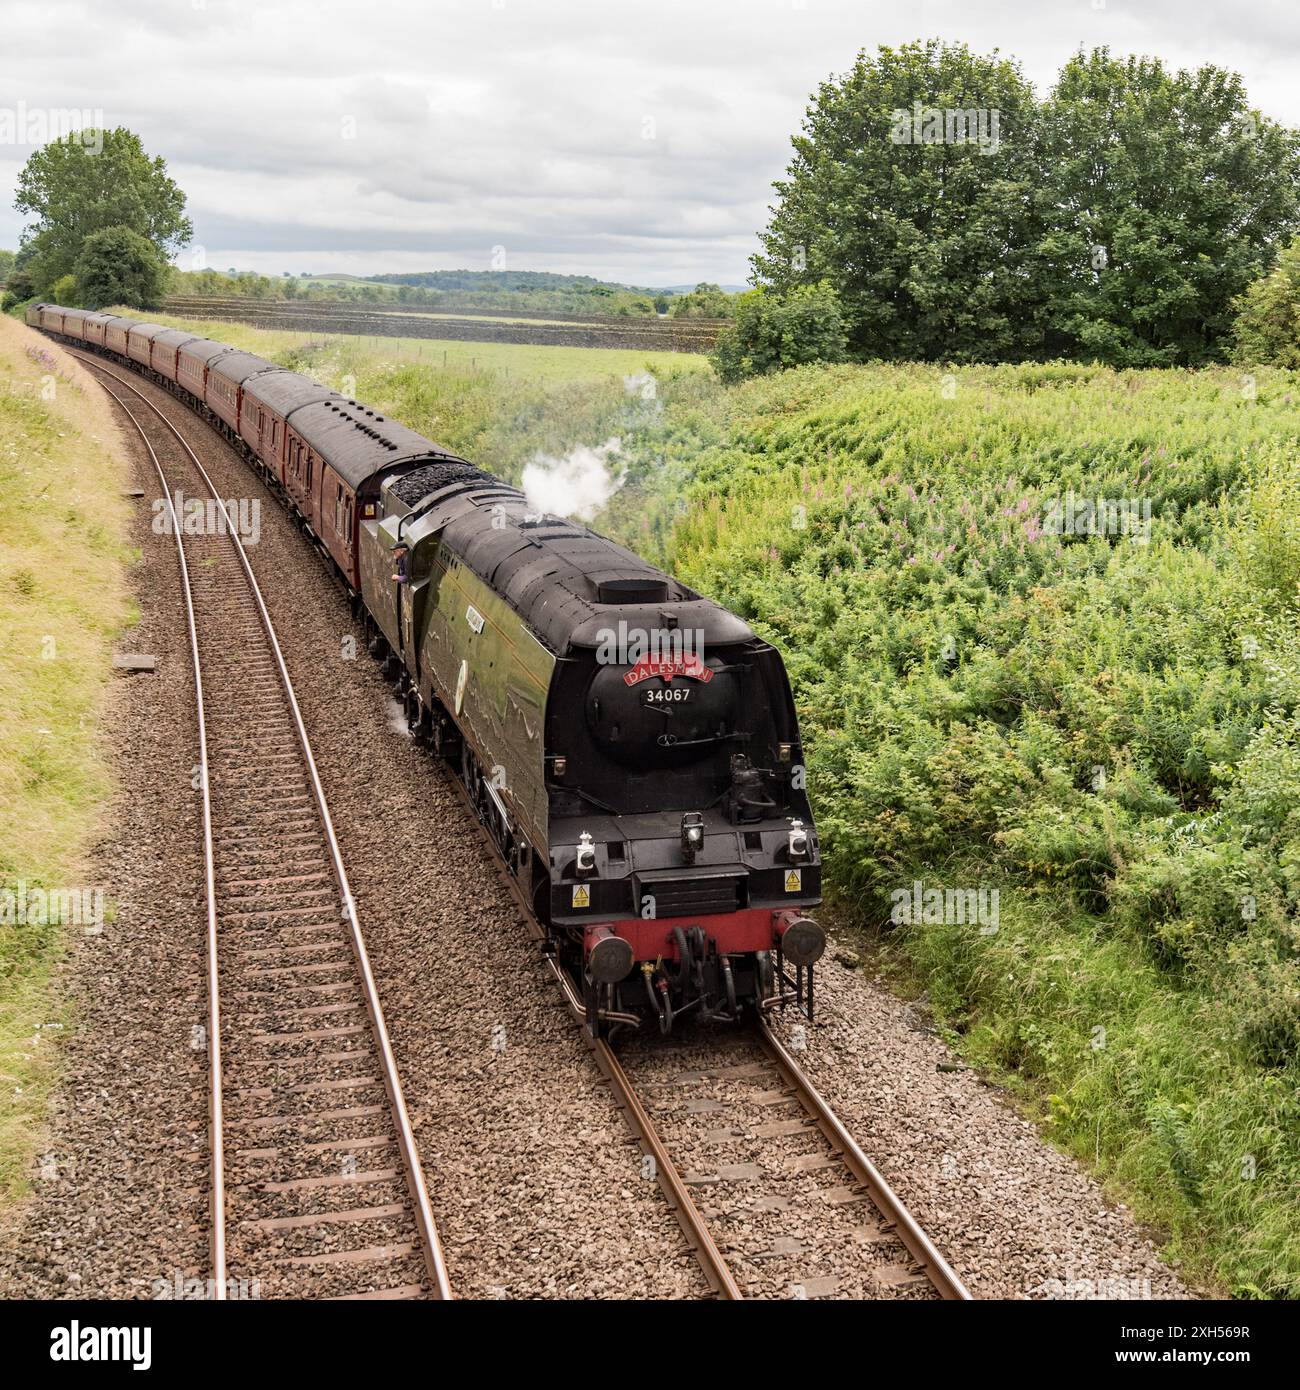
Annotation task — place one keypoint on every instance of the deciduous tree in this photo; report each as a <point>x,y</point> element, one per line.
<point>119,266</point>
<point>912,192</point>
<point>75,187</point>
<point>1165,195</point>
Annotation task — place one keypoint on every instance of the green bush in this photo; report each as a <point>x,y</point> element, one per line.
<point>1267,329</point>
<point>773,331</point>
<point>64,291</point>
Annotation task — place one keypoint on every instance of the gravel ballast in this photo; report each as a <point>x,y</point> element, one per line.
<point>1013,1216</point>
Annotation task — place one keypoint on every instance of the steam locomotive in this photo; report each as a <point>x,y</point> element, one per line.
<point>630,746</point>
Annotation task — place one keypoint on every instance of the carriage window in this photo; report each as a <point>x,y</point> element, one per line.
<point>338,509</point>
<point>311,459</point>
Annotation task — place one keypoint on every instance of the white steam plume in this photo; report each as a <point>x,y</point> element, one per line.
<point>577,485</point>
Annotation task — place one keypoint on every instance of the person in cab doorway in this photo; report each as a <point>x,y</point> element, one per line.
<point>400,552</point>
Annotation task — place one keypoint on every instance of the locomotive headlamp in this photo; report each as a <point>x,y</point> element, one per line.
<point>798,840</point>
<point>692,835</point>
<point>586,854</point>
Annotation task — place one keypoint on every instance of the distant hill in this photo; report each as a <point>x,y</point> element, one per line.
<point>528,292</point>
<point>532,291</point>
<point>686,289</point>
<point>509,282</point>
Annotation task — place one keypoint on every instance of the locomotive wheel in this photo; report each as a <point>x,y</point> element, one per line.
<point>469,775</point>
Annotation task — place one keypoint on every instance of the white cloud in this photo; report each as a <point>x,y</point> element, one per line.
<point>523,123</point>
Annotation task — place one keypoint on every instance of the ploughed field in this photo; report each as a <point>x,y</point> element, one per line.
<point>608,331</point>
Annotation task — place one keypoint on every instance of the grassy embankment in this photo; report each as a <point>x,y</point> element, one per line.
<point>1105,730</point>
<point>63,597</point>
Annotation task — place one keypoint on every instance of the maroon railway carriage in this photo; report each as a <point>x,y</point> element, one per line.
<point>165,345</point>
<point>193,361</point>
<point>94,327</point>
<point>72,323</point>
<point>334,457</point>
<point>115,331</point>
<point>139,342</point>
<point>269,400</point>
<point>227,373</point>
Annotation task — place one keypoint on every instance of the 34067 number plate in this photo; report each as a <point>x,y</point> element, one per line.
<point>666,695</point>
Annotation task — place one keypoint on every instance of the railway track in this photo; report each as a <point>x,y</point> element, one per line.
<point>316,1186</point>
<point>876,1246</point>
<point>792,1206</point>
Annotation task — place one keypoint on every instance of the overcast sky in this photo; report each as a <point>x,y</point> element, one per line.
<point>634,141</point>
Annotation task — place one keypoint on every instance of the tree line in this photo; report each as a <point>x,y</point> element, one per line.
<point>936,209</point>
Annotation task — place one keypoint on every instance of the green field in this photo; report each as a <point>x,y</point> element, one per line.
<point>516,361</point>
<point>498,404</point>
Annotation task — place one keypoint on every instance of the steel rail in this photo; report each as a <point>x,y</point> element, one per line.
<point>432,1245</point>
<point>680,1202</point>
<point>886,1201</point>
<point>216,1138</point>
